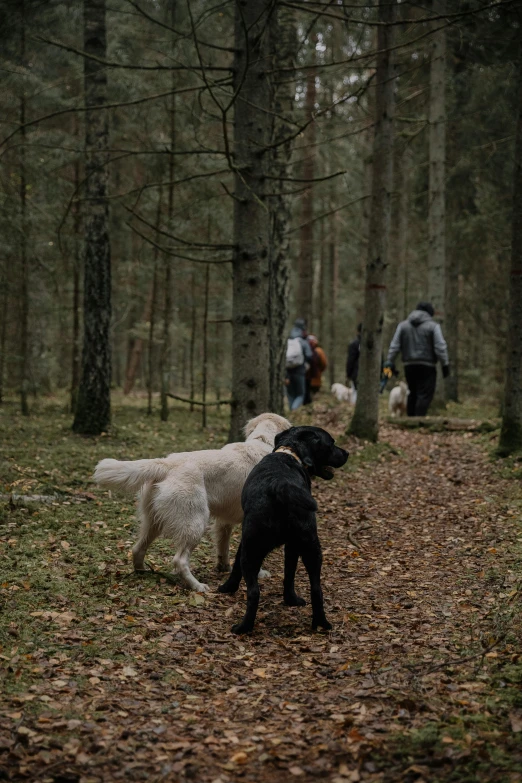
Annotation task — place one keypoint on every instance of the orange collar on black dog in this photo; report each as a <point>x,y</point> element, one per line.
<point>288,450</point>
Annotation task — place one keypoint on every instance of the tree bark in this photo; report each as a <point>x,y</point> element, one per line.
<point>93,409</point>
<point>166,348</point>
<point>192,347</point>
<point>437,175</point>
<point>76,350</point>
<point>251,265</point>
<point>306,234</point>
<point>24,266</point>
<point>511,430</point>
<point>333,268</point>
<point>3,332</point>
<point>137,346</point>
<point>205,349</point>
<point>152,321</point>
<point>283,45</point>
<point>365,421</point>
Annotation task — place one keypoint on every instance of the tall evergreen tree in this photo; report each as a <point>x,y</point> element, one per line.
<point>511,431</point>
<point>365,422</point>
<point>93,408</point>
<point>252,123</point>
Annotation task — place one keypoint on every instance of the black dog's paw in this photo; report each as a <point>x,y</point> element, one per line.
<point>228,587</point>
<point>242,628</point>
<point>294,600</point>
<point>321,622</point>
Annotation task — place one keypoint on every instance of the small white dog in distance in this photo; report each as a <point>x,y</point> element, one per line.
<point>397,402</point>
<point>343,393</point>
<point>181,493</point>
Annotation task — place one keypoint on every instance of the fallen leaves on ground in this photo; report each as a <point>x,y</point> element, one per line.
<point>144,681</point>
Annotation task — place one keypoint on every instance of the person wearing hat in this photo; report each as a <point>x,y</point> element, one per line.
<point>420,341</point>
<point>318,365</point>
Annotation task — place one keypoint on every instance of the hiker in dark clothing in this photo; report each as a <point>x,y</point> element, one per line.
<point>298,357</point>
<point>352,361</point>
<point>420,341</point>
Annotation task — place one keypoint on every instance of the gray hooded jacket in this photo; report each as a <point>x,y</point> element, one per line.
<point>420,341</point>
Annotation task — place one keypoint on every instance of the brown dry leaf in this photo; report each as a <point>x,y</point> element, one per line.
<point>239,758</point>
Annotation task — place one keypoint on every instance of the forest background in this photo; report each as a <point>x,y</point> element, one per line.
<point>144,116</point>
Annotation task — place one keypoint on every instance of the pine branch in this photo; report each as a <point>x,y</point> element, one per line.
<point>127,66</point>
<point>170,252</point>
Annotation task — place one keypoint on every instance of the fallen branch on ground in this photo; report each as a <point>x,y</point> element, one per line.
<point>352,533</point>
<point>443,424</point>
<point>198,402</point>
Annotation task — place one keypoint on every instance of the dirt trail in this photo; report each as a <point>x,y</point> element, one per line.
<point>433,584</point>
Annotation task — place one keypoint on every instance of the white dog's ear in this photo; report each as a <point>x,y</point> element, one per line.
<point>249,427</point>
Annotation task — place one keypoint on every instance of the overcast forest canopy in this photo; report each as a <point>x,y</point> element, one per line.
<point>175,94</point>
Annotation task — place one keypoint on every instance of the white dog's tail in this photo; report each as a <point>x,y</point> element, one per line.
<point>130,475</point>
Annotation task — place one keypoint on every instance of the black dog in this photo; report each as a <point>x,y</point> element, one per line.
<point>279,509</point>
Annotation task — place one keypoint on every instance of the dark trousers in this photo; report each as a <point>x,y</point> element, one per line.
<point>421,381</point>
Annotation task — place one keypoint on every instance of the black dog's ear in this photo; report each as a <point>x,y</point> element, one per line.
<point>282,436</point>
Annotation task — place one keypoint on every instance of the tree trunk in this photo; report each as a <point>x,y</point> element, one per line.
<point>452,324</point>
<point>152,321</point>
<point>365,422</point>
<point>192,348</point>
<point>511,431</point>
<point>251,266</point>
<point>93,409</point>
<point>137,346</point>
<point>24,282</point>
<point>333,267</point>
<point>283,45</point>
<point>76,356</point>
<point>205,350</point>
<point>306,234</point>
<point>166,348</point>
<point>437,174</point>
<point>3,332</point>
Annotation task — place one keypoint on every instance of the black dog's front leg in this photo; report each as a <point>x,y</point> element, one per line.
<point>312,559</point>
<point>290,597</point>
<point>234,580</point>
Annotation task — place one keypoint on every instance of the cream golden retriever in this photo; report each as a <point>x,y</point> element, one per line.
<point>181,493</point>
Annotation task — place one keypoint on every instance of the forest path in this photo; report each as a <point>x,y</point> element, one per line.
<point>419,679</point>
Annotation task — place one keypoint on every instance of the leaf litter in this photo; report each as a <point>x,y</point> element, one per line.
<point>110,676</point>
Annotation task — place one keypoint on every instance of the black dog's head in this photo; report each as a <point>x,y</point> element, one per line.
<point>315,448</point>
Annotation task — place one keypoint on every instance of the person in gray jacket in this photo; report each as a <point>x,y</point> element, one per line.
<point>419,339</point>
<point>296,368</point>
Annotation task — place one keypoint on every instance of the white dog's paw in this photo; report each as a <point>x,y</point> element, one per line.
<point>264,574</point>
<point>200,587</point>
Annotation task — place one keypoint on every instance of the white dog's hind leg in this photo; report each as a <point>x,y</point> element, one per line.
<point>263,574</point>
<point>181,565</point>
<point>149,530</point>
<point>222,535</point>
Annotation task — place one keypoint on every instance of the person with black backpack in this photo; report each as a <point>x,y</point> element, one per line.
<point>298,357</point>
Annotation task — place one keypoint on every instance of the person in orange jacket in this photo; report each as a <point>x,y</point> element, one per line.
<point>318,365</point>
